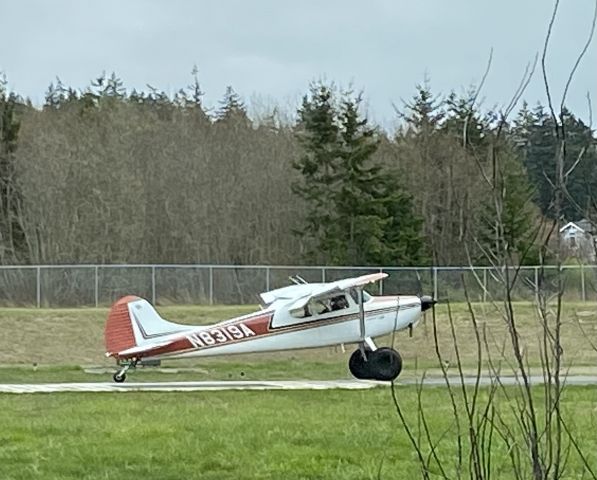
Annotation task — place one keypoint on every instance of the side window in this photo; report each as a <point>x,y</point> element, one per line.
<point>339,302</point>
<point>322,306</point>
<point>354,294</point>
<point>302,313</point>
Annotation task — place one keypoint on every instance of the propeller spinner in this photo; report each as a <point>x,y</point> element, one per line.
<point>427,302</point>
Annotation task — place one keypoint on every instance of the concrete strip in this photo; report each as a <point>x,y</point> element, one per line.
<point>510,380</point>
<point>187,386</point>
<point>572,380</point>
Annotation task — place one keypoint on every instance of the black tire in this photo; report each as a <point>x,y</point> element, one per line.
<point>119,378</point>
<point>358,366</point>
<point>385,364</point>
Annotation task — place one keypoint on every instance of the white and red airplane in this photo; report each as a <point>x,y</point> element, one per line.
<point>303,315</point>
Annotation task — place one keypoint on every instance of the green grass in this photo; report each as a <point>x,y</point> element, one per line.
<point>49,344</point>
<point>270,435</point>
<point>240,435</point>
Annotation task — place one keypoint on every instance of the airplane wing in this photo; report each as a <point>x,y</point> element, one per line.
<point>286,293</point>
<point>327,289</point>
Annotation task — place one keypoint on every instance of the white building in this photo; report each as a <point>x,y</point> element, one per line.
<point>578,240</point>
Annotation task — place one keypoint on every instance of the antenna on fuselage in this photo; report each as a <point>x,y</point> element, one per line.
<point>298,280</point>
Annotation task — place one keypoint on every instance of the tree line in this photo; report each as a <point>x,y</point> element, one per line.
<point>108,175</point>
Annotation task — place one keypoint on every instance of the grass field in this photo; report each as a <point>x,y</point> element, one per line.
<point>239,435</point>
<point>52,344</point>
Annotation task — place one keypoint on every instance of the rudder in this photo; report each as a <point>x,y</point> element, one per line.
<point>119,334</point>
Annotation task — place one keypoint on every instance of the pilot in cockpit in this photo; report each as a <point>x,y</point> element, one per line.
<point>339,302</point>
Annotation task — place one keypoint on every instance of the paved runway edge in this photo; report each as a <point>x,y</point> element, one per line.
<point>187,386</point>
<point>571,380</point>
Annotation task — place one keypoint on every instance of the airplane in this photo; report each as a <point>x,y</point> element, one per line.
<point>302,315</point>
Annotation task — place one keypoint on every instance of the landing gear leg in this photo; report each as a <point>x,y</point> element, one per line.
<point>120,375</point>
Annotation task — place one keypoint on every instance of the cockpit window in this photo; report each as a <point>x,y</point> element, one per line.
<point>322,306</point>
<point>338,302</point>
<point>354,293</point>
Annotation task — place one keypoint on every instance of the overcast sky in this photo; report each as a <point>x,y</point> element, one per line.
<point>271,49</point>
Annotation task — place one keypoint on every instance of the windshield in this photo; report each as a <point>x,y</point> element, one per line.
<point>354,293</point>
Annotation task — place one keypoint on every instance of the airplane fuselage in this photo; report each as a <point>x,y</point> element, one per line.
<point>275,329</point>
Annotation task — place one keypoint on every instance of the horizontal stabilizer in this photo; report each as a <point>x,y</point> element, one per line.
<point>143,349</point>
<point>134,327</point>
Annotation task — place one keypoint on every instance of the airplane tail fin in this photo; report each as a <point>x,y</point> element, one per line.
<point>133,322</point>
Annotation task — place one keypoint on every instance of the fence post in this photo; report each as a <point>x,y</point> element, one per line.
<point>537,285</point>
<point>583,292</point>
<point>323,274</point>
<point>381,283</point>
<point>38,287</point>
<point>153,284</point>
<point>267,279</point>
<point>484,285</point>
<point>96,287</point>
<point>211,285</point>
<point>435,295</point>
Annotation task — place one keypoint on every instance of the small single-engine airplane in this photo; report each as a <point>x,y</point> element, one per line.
<point>303,315</point>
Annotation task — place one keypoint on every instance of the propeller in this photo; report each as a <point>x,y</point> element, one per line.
<point>427,302</point>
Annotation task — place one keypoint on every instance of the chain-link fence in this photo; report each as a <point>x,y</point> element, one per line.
<point>100,285</point>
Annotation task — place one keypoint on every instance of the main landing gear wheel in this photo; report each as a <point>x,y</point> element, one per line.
<point>119,377</point>
<point>383,364</point>
<point>386,363</point>
<point>358,366</point>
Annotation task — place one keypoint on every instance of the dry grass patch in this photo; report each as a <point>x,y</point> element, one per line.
<point>75,336</point>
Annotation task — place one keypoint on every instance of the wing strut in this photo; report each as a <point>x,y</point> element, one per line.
<point>365,342</point>
<point>362,331</point>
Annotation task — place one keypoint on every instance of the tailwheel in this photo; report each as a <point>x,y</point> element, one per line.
<point>120,375</point>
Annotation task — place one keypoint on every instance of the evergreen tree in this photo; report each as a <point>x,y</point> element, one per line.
<point>464,121</point>
<point>402,237</point>
<point>359,202</point>
<point>56,95</point>
<point>232,107</point>
<point>424,113</point>
<point>318,135</point>
<point>195,105</point>
<point>508,225</point>
<point>12,238</point>
<point>539,147</point>
<point>195,89</point>
<point>357,212</point>
<point>190,100</point>
<point>522,128</point>
<point>111,87</point>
